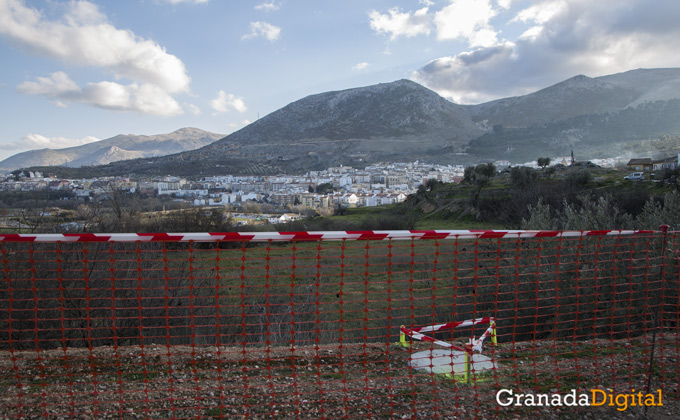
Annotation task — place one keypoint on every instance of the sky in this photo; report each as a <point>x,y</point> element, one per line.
<point>73,72</point>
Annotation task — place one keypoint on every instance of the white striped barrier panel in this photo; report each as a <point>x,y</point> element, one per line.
<point>468,349</point>
<point>474,345</point>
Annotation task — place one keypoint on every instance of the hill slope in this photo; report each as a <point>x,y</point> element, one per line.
<point>391,121</point>
<point>581,95</point>
<point>117,148</point>
<point>623,115</point>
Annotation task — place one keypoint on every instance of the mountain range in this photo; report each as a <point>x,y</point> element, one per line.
<point>118,148</point>
<point>631,113</point>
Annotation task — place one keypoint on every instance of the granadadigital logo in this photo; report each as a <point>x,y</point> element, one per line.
<point>596,397</point>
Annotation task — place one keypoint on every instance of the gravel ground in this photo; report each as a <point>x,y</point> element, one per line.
<point>331,381</point>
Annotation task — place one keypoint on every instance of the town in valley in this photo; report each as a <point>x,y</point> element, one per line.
<point>249,200</point>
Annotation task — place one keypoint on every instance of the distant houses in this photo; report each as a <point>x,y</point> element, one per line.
<point>640,164</point>
<point>289,217</point>
<point>648,164</point>
<point>667,163</point>
<point>284,218</point>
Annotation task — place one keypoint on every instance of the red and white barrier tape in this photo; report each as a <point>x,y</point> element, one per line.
<point>473,345</point>
<point>308,236</point>
<point>421,337</point>
<point>449,325</point>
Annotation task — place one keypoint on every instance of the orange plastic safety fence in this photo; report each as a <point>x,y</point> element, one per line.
<point>311,327</point>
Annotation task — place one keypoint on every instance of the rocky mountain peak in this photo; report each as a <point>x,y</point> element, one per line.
<point>120,147</point>
<point>401,108</point>
<point>580,82</point>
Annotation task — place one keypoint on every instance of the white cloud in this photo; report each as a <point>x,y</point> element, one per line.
<point>396,23</point>
<point>460,19</point>
<point>194,109</point>
<point>564,39</point>
<point>224,102</point>
<point>263,29</point>
<point>83,37</point>
<point>541,12</point>
<point>144,98</point>
<point>504,4</point>
<point>57,84</point>
<point>270,6</point>
<point>150,99</point>
<point>360,66</point>
<point>107,95</point>
<point>464,78</point>
<point>36,141</point>
<point>467,19</point>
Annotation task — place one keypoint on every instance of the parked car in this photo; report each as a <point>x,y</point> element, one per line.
<point>635,176</point>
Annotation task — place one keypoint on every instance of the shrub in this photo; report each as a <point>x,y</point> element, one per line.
<point>539,217</point>
<point>579,178</point>
<point>665,212</point>
<point>523,177</point>
<point>587,213</point>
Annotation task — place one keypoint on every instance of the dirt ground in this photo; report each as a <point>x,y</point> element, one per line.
<point>331,381</point>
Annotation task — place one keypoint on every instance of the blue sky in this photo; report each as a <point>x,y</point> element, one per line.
<point>77,71</point>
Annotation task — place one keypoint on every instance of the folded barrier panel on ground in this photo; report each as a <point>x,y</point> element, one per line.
<point>445,362</point>
<point>303,324</point>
